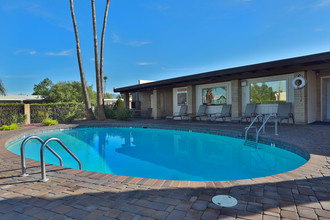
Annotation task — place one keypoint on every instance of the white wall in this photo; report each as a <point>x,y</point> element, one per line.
<point>212,109</point>
<point>268,108</point>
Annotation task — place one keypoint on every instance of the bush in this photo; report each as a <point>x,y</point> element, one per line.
<point>49,122</point>
<point>19,118</point>
<point>119,105</point>
<point>7,112</point>
<point>124,114</point>
<point>63,112</point>
<point>110,112</point>
<point>9,127</point>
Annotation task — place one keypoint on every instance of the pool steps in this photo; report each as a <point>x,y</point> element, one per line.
<point>42,155</point>
<point>265,119</point>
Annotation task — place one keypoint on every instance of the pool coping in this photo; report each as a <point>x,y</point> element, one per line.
<point>310,168</point>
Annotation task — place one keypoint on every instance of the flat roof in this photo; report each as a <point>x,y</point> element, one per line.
<point>21,98</point>
<point>278,67</point>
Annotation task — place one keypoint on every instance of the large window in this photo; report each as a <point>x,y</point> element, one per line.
<point>182,96</point>
<point>268,92</point>
<point>215,96</point>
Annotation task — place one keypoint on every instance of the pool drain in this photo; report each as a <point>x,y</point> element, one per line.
<point>224,201</point>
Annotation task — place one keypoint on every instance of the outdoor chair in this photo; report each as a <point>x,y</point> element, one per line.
<point>200,113</point>
<point>250,111</point>
<point>284,112</point>
<point>182,113</point>
<point>225,112</point>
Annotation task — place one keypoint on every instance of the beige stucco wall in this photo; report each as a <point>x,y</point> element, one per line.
<point>312,107</point>
<point>145,100</point>
<point>162,103</point>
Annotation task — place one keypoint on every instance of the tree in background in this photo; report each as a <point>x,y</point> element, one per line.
<point>2,88</point>
<point>88,106</point>
<point>66,92</point>
<point>43,88</point>
<point>99,65</point>
<point>105,83</point>
<point>262,94</point>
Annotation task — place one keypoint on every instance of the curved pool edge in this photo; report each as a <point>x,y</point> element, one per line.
<point>314,163</point>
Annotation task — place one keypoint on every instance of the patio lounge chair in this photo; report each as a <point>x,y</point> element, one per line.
<point>182,113</point>
<point>250,111</point>
<point>201,112</point>
<point>284,112</point>
<point>225,112</point>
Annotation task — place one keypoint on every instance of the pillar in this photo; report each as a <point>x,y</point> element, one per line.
<point>155,104</point>
<point>191,95</point>
<point>300,102</point>
<point>126,100</point>
<point>236,98</point>
<point>27,112</point>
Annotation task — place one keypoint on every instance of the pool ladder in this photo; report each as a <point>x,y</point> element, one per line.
<point>265,119</point>
<point>42,155</point>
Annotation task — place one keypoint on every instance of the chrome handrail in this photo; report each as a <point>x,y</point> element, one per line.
<point>263,126</point>
<point>248,128</point>
<point>23,153</point>
<point>42,156</point>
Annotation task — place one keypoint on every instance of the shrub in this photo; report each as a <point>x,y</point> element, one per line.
<point>124,114</point>
<point>119,105</point>
<point>19,118</point>
<point>9,127</point>
<point>110,112</point>
<point>63,112</point>
<point>49,122</point>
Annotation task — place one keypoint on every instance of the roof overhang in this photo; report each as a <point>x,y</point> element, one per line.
<point>310,62</point>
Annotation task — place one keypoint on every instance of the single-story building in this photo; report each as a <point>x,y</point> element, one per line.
<point>26,99</point>
<point>303,81</point>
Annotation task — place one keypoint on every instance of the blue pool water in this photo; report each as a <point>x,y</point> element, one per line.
<point>163,154</point>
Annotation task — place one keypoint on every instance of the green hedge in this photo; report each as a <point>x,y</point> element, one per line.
<point>11,113</point>
<point>62,112</point>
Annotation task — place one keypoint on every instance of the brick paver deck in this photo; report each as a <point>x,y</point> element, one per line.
<point>303,193</point>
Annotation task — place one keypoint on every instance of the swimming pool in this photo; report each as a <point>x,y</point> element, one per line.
<point>163,154</point>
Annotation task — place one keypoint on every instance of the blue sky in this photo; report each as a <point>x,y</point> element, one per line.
<point>154,39</point>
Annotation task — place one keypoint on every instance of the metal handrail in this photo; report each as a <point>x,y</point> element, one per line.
<point>263,126</point>
<point>248,128</point>
<point>23,153</point>
<point>42,156</point>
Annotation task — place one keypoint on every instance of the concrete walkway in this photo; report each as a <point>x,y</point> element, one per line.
<point>303,193</point>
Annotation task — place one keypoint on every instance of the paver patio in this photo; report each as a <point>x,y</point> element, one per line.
<point>303,193</point>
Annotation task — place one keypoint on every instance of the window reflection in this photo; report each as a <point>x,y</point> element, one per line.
<point>268,92</point>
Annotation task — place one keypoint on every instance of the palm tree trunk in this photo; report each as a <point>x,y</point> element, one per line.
<point>2,88</point>
<point>102,40</point>
<point>88,106</point>
<point>99,80</point>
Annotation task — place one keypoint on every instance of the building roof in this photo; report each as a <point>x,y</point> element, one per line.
<point>21,98</point>
<point>278,67</point>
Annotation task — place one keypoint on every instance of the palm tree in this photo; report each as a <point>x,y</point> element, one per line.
<point>98,66</point>
<point>105,83</point>
<point>2,88</point>
<point>88,106</point>
<point>102,40</point>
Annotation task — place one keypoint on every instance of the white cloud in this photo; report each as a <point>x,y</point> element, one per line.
<point>115,38</point>
<point>133,43</point>
<point>323,3</point>
<point>162,7</point>
<point>61,53</point>
<point>137,43</point>
<point>145,63</point>
<point>25,51</point>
